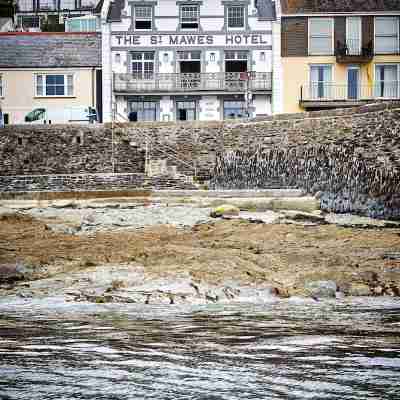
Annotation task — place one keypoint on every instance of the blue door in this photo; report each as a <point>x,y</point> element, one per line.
<point>353,83</point>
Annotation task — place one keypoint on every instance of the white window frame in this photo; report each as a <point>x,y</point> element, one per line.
<point>398,33</point>
<point>331,50</point>
<point>194,6</point>
<point>230,6</point>
<point>151,18</point>
<point>143,74</point>
<point>45,74</point>
<point>360,30</point>
<point>397,65</point>
<point>332,67</point>
<point>1,86</point>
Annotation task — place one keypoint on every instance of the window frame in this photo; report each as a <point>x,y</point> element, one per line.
<point>376,82</point>
<point>191,5</point>
<point>135,19</point>
<point>325,89</point>
<point>331,51</point>
<point>66,86</point>
<point>143,108</point>
<point>397,50</point>
<point>230,7</point>
<point>143,62</point>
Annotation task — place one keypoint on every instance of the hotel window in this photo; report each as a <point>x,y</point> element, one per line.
<point>143,17</point>
<point>386,35</point>
<point>54,85</point>
<point>234,109</point>
<point>320,36</point>
<point>1,87</point>
<point>143,111</point>
<point>143,65</point>
<point>320,82</point>
<point>189,17</point>
<point>235,16</point>
<point>387,81</point>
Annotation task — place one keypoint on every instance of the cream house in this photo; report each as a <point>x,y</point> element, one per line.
<point>54,71</point>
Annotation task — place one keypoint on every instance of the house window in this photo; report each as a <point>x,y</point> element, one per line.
<point>320,36</point>
<point>189,17</point>
<point>320,82</point>
<point>235,17</point>
<point>386,35</point>
<point>1,87</point>
<point>143,17</point>
<point>54,85</point>
<point>234,109</point>
<point>387,81</point>
<point>143,65</point>
<point>143,111</point>
<point>67,5</point>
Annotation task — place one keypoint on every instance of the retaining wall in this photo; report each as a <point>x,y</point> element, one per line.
<point>370,135</point>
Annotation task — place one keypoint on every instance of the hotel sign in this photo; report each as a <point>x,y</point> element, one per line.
<point>240,39</point>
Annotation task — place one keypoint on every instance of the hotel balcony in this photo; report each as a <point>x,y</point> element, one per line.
<point>322,95</point>
<point>193,83</point>
<point>352,52</point>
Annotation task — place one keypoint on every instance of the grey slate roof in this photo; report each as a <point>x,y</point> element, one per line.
<point>266,10</point>
<point>49,50</point>
<point>320,6</point>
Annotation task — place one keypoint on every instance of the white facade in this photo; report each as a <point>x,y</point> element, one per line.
<point>172,60</point>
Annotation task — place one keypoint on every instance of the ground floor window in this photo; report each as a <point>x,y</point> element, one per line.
<point>143,111</point>
<point>387,81</point>
<point>186,110</point>
<point>234,109</point>
<point>54,85</point>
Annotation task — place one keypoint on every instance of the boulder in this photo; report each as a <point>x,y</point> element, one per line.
<point>12,272</point>
<point>315,218</point>
<point>224,210</point>
<point>358,289</point>
<point>321,289</point>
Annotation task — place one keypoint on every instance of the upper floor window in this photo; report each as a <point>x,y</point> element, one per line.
<point>25,5</point>
<point>189,17</point>
<point>235,16</point>
<point>1,87</point>
<point>54,85</point>
<point>320,36</point>
<point>143,64</point>
<point>87,4</point>
<point>143,16</point>
<point>386,35</point>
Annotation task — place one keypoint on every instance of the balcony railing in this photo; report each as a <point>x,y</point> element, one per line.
<point>353,51</point>
<point>230,82</point>
<point>328,92</point>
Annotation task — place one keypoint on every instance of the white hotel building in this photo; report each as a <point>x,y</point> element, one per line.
<point>183,60</point>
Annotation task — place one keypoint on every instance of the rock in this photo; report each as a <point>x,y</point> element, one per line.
<point>321,289</point>
<point>303,216</point>
<point>358,289</point>
<point>354,221</point>
<point>13,272</point>
<point>225,210</point>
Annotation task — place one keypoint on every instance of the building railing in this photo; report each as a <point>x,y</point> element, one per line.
<point>326,91</point>
<point>156,82</point>
<point>352,48</point>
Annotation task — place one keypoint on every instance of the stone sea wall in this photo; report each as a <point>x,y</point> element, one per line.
<point>349,157</point>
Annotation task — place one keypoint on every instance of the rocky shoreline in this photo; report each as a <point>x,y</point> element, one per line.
<point>174,252</point>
